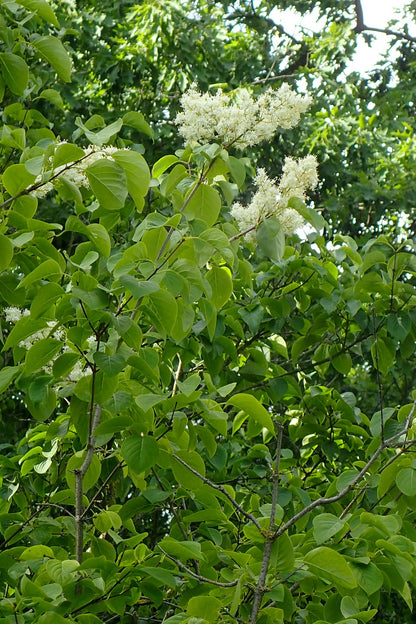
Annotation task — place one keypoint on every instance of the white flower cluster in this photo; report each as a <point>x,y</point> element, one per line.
<point>272,199</point>
<point>78,372</point>
<point>13,314</point>
<point>298,176</point>
<point>240,121</point>
<point>74,173</point>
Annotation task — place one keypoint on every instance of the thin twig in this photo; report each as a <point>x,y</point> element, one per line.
<point>198,577</point>
<point>178,372</point>
<point>380,388</point>
<point>34,187</point>
<point>221,489</point>
<point>101,488</point>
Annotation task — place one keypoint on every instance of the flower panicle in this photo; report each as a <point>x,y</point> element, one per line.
<point>271,198</point>
<point>240,121</point>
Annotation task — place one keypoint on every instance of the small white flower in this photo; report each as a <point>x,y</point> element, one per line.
<point>92,343</point>
<point>78,372</point>
<point>298,176</point>
<point>43,190</point>
<point>290,220</point>
<point>12,314</point>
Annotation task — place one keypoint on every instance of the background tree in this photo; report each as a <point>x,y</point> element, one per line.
<point>217,421</point>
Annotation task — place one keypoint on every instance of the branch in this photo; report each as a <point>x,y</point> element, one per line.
<point>361,26</point>
<point>391,33</point>
<point>333,499</point>
<point>261,582</point>
<point>360,16</point>
<point>79,477</point>
<point>380,387</point>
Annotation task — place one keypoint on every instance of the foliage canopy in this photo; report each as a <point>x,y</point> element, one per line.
<point>199,426</point>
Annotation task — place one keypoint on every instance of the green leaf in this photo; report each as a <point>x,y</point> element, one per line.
<point>36,552</point>
<point>185,477</point>
<point>238,170</point>
<point>6,252</point>
<point>162,164</point>
<point>137,121</point>
<point>52,50</point>
<point>42,8</point>
<point>182,550</point>
<point>45,298</point>
<point>15,138</point>
<point>41,353</point>
<point>100,238</point>
<point>162,576</point>
<point>163,310</point>
<point>30,589</point>
<point>110,364</point>
<point>206,607</point>
<point>371,259</point>
<point>7,374</point>
<point>220,280</point>
<point>104,135</point>
<point>16,179</point>
<point>138,288</point>
<point>42,410</point>
<point>51,617</point>
<point>342,363</point>
<point>406,481</point>
<point>271,238</point>
<point>147,401</point>
<point>178,173</point>
<point>368,576</point>
<point>49,269</point>
<point>95,299</point>
<point>283,554</point>
<point>107,520</point>
<point>140,452</point>
<point>137,174</point>
<point>64,363</point>
<point>119,423</point>
<point>309,214</point>
<point>15,72</point>
<point>52,96</point>
<point>326,526</point>
<point>23,328</point>
<point>66,153</point>
<point>383,353</point>
<point>331,565</point>
<point>255,410</point>
<point>109,183</point>
<point>129,331</point>
<point>205,205</point>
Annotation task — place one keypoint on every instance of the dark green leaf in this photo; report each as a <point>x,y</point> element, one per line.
<point>140,452</point>
<point>52,50</point>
